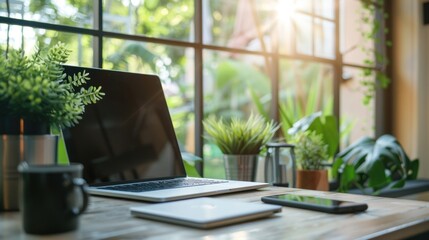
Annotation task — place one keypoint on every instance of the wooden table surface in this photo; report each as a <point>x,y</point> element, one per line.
<point>386,218</point>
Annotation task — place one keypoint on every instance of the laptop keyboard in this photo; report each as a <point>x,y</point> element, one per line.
<point>162,184</point>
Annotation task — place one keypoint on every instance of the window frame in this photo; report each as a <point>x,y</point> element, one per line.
<point>198,45</point>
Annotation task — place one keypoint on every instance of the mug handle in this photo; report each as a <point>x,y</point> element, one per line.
<point>81,183</point>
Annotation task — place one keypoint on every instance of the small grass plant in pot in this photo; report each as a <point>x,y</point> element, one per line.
<point>310,153</point>
<point>37,99</point>
<point>240,141</point>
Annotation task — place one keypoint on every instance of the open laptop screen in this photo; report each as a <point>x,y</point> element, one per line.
<point>128,135</point>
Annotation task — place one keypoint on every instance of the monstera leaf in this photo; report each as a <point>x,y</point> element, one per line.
<point>377,164</point>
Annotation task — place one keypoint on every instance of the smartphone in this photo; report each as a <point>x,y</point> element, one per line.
<point>315,203</point>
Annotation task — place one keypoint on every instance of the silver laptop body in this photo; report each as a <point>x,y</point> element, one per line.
<point>128,138</point>
<point>205,212</point>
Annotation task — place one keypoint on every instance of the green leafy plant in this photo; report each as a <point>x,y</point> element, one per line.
<point>240,136</point>
<point>375,58</point>
<point>36,88</point>
<point>325,126</point>
<point>374,163</point>
<point>310,150</point>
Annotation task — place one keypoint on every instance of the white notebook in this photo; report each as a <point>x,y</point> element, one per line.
<point>205,212</point>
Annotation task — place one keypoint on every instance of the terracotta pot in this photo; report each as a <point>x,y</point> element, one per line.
<point>313,179</point>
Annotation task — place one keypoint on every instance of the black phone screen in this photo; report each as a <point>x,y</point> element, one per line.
<point>313,200</point>
<point>316,203</point>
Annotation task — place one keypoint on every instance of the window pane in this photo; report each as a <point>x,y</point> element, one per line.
<point>305,88</point>
<point>352,41</point>
<point>78,14</point>
<point>357,120</point>
<point>324,8</point>
<point>239,24</point>
<point>164,19</point>
<point>234,84</point>
<point>324,41</point>
<point>304,34</point>
<point>175,67</point>
<point>28,38</point>
<point>304,5</point>
<point>286,24</point>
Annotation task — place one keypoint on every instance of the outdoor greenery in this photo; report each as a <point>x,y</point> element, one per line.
<point>310,150</point>
<point>235,85</point>
<point>374,163</point>
<point>306,92</point>
<point>35,87</point>
<point>375,61</point>
<point>239,136</point>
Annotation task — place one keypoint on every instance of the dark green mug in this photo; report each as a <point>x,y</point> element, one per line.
<point>51,197</point>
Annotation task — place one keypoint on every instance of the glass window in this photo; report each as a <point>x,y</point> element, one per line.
<point>324,8</point>
<point>324,40</point>
<point>305,88</point>
<point>71,13</point>
<point>169,19</point>
<point>304,34</point>
<point>28,38</point>
<point>304,5</point>
<point>286,26</point>
<point>158,37</point>
<point>239,24</point>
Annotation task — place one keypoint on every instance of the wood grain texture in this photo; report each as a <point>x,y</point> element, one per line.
<point>109,218</point>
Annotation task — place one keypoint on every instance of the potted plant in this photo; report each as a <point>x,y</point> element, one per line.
<point>241,142</point>
<point>310,153</point>
<point>35,89</point>
<point>376,164</point>
<point>36,97</point>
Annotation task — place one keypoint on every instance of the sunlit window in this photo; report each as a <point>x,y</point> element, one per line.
<point>283,59</point>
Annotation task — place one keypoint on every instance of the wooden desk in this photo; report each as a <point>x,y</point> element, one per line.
<point>386,218</point>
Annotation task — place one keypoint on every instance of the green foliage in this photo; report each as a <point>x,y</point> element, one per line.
<point>310,150</point>
<point>325,126</point>
<point>120,57</point>
<point>240,136</point>
<point>36,88</point>
<point>233,80</point>
<point>376,164</point>
<point>304,92</point>
<point>189,161</point>
<point>375,60</point>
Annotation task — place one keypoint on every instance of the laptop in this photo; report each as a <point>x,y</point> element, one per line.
<point>128,146</point>
<point>205,212</point>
